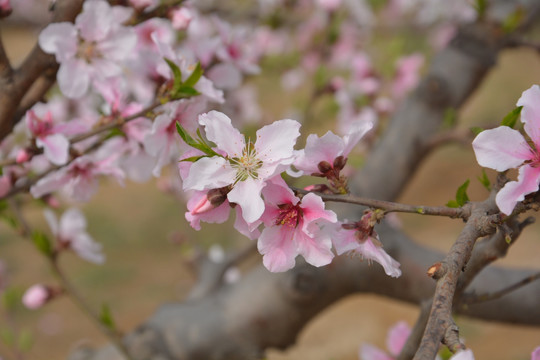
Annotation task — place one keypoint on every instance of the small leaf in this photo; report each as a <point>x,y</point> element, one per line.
<point>11,298</point>
<point>106,317</point>
<point>177,74</point>
<point>193,158</point>
<point>114,133</point>
<point>514,20</point>
<point>194,77</point>
<point>452,204</point>
<point>511,119</point>
<point>184,92</point>
<point>508,239</point>
<point>450,117</point>
<point>484,180</point>
<point>461,193</point>
<point>476,130</point>
<point>481,7</point>
<point>42,243</point>
<point>25,341</point>
<point>199,145</point>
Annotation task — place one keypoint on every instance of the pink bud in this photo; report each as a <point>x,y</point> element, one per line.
<point>202,206</point>
<point>53,202</point>
<point>180,18</point>
<point>36,296</point>
<point>5,8</point>
<point>22,156</point>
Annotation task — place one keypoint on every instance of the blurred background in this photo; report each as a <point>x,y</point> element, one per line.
<point>147,242</point>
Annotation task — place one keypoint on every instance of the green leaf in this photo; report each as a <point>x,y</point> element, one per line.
<point>194,77</point>
<point>25,341</point>
<point>450,117</point>
<point>461,193</point>
<point>115,132</point>
<point>106,317</point>
<point>476,130</point>
<point>514,20</point>
<point>42,242</point>
<point>480,6</point>
<point>7,337</point>
<point>484,180</point>
<point>193,158</point>
<point>512,117</point>
<point>199,145</point>
<point>177,74</point>
<point>452,204</point>
<point>184,92</point>
<point>11,298</point>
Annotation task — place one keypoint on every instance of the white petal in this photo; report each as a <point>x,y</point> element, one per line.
<point>73,78</point>
<point>72,223</point>
<point>51,220</point>
<point>59,39</point>
<point>501,148</point>
<point>56,148</point>
<point>219,130</point>
<point>247,194</point>
<point>530,114</point>
<point>209,173</point>
<point>276,141</point>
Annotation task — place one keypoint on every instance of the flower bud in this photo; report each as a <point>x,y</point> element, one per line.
<point>324,167</point>
<point>36,296</point>
<point>5,8</point>
<point>340,162</point>
<point>22,156</point>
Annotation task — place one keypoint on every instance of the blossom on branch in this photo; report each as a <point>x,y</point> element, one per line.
<point>504,148</point>
<point>246,166</point>
<point>92,48</point>
<point>293,227</point>
<point>70,233</point>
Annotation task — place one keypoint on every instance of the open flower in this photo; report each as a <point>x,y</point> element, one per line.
<point>70,232</point>
<point>504,148</point>
<point>395,340</point>
<point>245,166</point>
<point>293,227</point>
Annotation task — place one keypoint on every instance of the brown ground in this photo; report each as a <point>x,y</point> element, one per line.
<point>144,269</point>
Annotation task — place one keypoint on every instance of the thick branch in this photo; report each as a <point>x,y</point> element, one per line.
<point>15,86</point>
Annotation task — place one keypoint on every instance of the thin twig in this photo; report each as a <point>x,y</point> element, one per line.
<point>474,299</point>
<point>388,206</point>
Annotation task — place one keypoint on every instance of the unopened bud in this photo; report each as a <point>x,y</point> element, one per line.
<point>339,163</point>
<point>36,296</point>
<point>320,188</point>
<point>5,8</point>
<point>324,167</point>
<point>22,156</point>
<point>218,196</point>
<point>202,206</point>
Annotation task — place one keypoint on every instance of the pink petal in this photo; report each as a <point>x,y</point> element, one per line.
<point>86,248</point>
<point>50,183</point>
<point>345,240</point>
<point>55,147</point>
<point>219,130</point>
<point>59,39</point>
<point>119,45</point>
<point>157,139</point>
<point>276,141</point>
<point>326,148</point>
<point>535,355</point>
<point>247,194</point>
<point>95,21</point>
<point>225,76</point>
<point>313,207</point>
<point>370,352</point>
<point>356,133</point>
<point>530,114</point>
<point>397,336</point>
<point>209,173</point>
<point>216,215</point>
<point>463,355</point>
<point>277,192</point>
<point>515,191</point>
<point>249,230</point>
<point>277,247</point>
<point>315,248</point>
<point>501,148</point>
<point>51,220</point>
<point>377,253</point>
<point>72,223</point>
<point>73,78</point>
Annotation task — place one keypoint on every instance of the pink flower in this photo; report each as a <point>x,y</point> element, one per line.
<point>407,76</point>
<point>329,5</point>
<point>328,148</point>
<point>293,227</point>
<point>504,148</point>
<point>79,180</point>
<point>397,336</point>
<point>93,47</point>
<point>36,296</point>
<point>463,355</point>
<point>181,17</point>
<point>70,232</point>
<point>245,166</point>
<point>535,355</point>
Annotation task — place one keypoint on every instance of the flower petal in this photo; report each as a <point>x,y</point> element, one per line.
<point>326,148</point>
<point>219,130</point>
<point>530,114</point>
<point>209,173</point>
<point>247,194</point>
<point>314,246</point>
<point>370,352</point>
<point>313,208</point>
<point>397,336</point>
<point>515,191</point>
<point>276,141</point>
<point>51,220</point>
<point>59,39</point>
<point>277,247</point>
<point>72,223</point>
<point>501,148</point>
<point>377,253</point>
<point>73,78</point>
<point>55,147</point>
